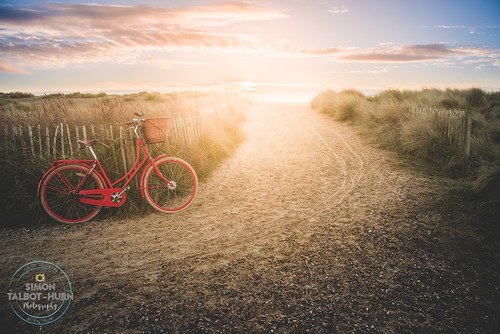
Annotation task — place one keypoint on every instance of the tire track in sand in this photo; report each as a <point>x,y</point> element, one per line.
<point>314,158</point>
<point>343,191</point>
<point>293,168</point>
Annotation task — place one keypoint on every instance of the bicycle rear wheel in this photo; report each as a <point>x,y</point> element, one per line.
<point>175,195</point>
<point>58,197</point>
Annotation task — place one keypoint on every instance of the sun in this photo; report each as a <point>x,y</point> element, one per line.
<point>248,86</point>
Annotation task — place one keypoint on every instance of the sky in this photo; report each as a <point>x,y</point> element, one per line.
<point>274,49</point>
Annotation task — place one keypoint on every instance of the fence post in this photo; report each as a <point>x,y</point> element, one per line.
<point>62,142</point>
<point>30,133</point>
<point>467,135</point>
<point>175,128</point>
<point>20,133</point>
<point>189,126</point>
<point>7,141</point>
<point>135,152</point>
<point>40,139</point>
<point>198,126</point>
<point>184,130</point>
<point>122,149</point>
<point>47,139</point>
<point>69,140</point>
<point>55,142</point>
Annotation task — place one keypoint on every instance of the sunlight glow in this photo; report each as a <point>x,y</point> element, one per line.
<point>247,86</point>
<point>49,46</point>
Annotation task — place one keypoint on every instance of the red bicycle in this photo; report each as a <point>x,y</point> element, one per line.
<point>74,191</point>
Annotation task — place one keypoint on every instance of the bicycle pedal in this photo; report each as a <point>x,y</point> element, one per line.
<point>124,190</point>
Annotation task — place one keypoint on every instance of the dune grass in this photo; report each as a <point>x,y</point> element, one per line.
<point>428,126</point>
<point>21,172</point>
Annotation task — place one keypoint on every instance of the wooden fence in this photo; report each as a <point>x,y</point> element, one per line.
<point>59,140</point>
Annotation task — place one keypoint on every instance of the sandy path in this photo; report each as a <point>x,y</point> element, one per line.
<point>297,175</point>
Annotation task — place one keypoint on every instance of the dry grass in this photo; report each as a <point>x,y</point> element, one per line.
<point>428,125</point>
<point>21,172</point>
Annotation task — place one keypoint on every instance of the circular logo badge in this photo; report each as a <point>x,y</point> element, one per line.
<point>40,292</point>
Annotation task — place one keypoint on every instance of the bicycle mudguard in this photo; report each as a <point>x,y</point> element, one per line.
<point>102,197</point>
<point>59,163</point>
<point>144,172</point>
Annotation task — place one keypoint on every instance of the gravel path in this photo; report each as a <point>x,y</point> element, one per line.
<point>304,228</point>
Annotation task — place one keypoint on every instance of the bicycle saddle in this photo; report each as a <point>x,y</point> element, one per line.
<point>83,143</point>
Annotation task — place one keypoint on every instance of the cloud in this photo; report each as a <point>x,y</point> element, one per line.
<point>10,67</point>
<point>58,16</point>
<point>410,53</point>
<point>294,52</point>
<point>377,70</point>
<point>452,27</point>
<point>492,59</point>
<point>479,30</point>
<point>55,34</point>
<point>338,10</point>
<point>322,52</point>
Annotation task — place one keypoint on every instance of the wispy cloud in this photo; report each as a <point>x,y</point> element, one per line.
<point>491,59</point>
<point>10,67</point>
<point>338,10</point>
<point>55,35</point>
<point>95,16</point>
<point>51,35</point>
<point>453,27</point>
<point>480,30</point>
<point>376,70</point>
<point>392,53</point>
<point>411,53</point>
<point>295,52</point>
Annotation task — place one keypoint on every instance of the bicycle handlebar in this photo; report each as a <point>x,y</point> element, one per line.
<point>136,121</point>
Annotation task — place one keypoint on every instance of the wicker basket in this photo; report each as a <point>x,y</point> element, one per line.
<point>155,129</point>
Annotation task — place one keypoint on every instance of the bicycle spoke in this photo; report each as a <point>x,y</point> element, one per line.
<point>58,196</point>
<point>176,194</point>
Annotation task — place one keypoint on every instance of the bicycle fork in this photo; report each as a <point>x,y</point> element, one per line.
<point>170,184</point>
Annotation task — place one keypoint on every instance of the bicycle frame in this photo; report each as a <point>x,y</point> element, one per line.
<point>104,197</point>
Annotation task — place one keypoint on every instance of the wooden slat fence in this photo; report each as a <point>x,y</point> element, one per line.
<point>59,140</point>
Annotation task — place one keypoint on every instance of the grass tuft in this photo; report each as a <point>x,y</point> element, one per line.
<point>20,172</point>
<point>428,125</point>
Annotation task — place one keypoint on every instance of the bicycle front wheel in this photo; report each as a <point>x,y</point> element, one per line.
<point>59,199</point>
<point>174,195</point>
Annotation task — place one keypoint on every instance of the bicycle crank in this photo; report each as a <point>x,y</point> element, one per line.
<point>117,196</point>
<point>103,197</point>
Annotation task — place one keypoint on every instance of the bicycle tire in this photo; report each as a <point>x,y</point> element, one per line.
<point>58,200</point>
<point>174,197</point>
